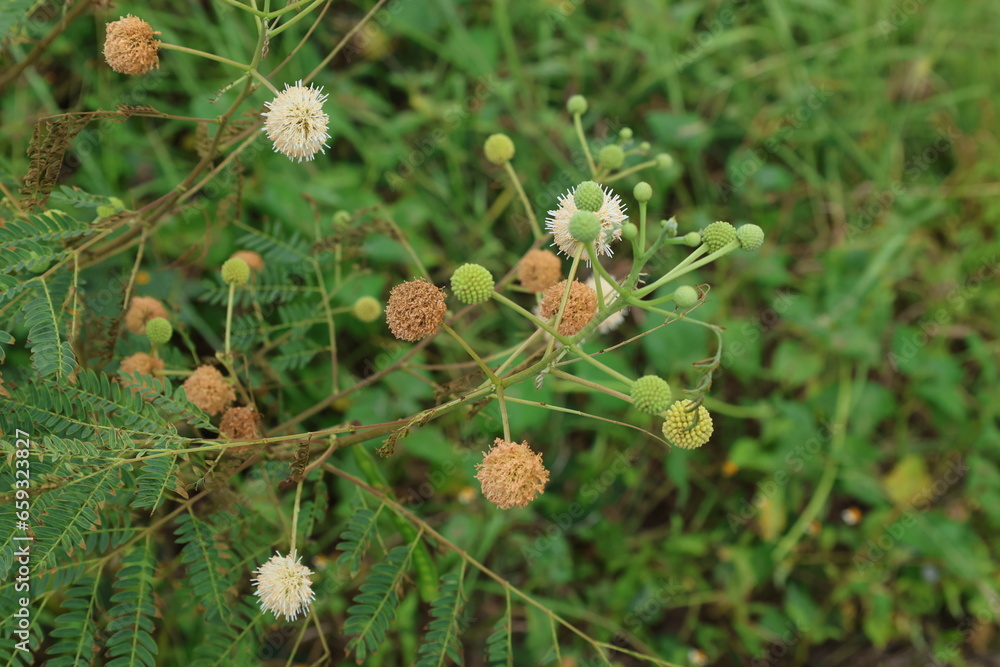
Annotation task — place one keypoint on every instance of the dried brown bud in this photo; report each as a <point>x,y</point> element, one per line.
<point>581,306</point>
<point>539,270</point>
<point>141,363</point>
<point>130,46</point>
<point>511,474</point>
<point>253,259</point>
<point>415,310</point>
<point>240,423</point>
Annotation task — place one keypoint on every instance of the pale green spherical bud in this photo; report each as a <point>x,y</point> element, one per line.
<point>625,133</point>
<point>751,237</point>
<point>717,235</point>
<point>341,218</point>
<point>611,156</point>
<point>158,331</point>
<point>629,231</point>
<point>664,161</point>
<point>585,226</point>
<point>498,148</point>
<point>685,296</point>
<point>472,283</point>
<point>577,105</point>
<point>588,196</point>
<point>643,191</point>
<point>644,147</point>
<point>235,271</point>
<point>367,309</point>
<point>651,394</point>
<point>692,239</point>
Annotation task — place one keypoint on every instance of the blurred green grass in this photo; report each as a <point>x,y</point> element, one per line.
<point>797,116</point>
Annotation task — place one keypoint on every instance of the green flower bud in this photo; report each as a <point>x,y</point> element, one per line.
<point>104,211</point>
<point>644,147</point>
<point>643,191</point>
<point>718,234</point>
<point>629,231</point>
<point>664,161</point>
<point>625,133</point>
<point>472,283</point>
<point>651,394</point>
<point>585,226</point>
<point>158,331</point>
<point>235,271</point>
<point>588,196</point>
<point>686,296</point>
<point>577,105</point>
<point>498,148</point>
<point>611,156</point>
<point>692,239</point>
<point>367,309</point>
<point>117,203</point>
<point>341,218</point>
<point>751,237</point>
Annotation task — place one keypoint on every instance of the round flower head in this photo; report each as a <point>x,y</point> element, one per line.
<point>751,237</point>
<point>577,105</point>
<point>367,309</point>
<point>642,191</point>
<point>588,196</point>
<point>611,156</point>
<point>240,423</point>
<point>580,307</point>
<point>284,586</point>
<point>539,270</point>
<point>141,363</point>
<point>208,390</point>
<point>678,420</point>
<point>585,227</point>
<point>651,394</point>
<point>685,296</point>
<point>235,271</point>
<point>625,133</point>
<point>611,214</point>
<point>130,46</point>
<point>664,161</point>
<point>498,148</point>
<point>158,331</point>
<point>140,311</point>
<point>415,310</point>
<point>511,474</point>
<point>472,283</point>
<point>692,239</point>
<point>253,259</point>
<point>296,122</point>
<point>613,320</point>
<point>717,235</point>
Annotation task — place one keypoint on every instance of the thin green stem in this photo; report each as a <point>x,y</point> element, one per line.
<point>203,54</point>
<point>229,317</point>
<point>271,32</point>
<point>472,353</point>
<point>260,77</point>
<point>245,8</point>
<point>535,228</point>
<point>578,124</point>
<point>295,515</point>
<point>630,171</point>
<point>591,385</point>
<point>642,225</point>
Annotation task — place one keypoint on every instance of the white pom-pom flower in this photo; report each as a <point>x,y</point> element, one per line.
<point>284,586</point>
<point>611,214</point>
<point>296,122</point>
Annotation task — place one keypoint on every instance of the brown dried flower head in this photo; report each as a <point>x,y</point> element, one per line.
<point>208,390</point>
<point>240,423</point>
<point>130,46</point>
<point>141,363</point>
<point>415,309</point>
<point>141,310</point>
<point>253,259</point>
<point>511,474</point>
<point>580,307</point>
<point>539,270</point>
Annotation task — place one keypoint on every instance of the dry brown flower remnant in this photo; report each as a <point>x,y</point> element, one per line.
<point>240,423</point>
<point>539,270</point>
<point>130,46</point>
<point>415,310</point>
<point>141,310</point>
<point>581,306</point>
<point>253,259</point>
<point>511,474</point>
<point>141,363</point>
<point>208,390</point>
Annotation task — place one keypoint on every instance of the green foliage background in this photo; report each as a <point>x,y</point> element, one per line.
<point>861,136</point>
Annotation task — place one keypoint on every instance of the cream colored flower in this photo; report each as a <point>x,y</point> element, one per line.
<point>296,122</point>
<point>511,474</point>
<point>611,214</point>
<point>284,586</point>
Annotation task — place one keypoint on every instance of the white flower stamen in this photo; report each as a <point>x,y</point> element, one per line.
<point>284,587</point>
<point>296,122</point>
